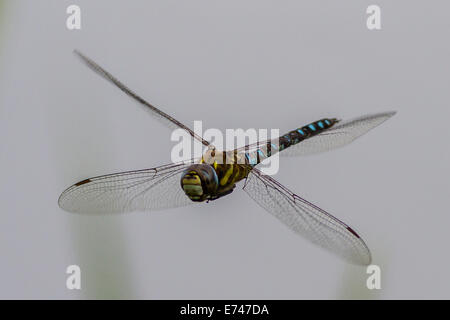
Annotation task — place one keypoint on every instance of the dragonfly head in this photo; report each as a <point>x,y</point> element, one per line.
<point>199,182</point>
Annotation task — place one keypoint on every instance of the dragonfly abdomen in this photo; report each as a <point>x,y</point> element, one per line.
<point>291,138</point>
<point>295,136</point>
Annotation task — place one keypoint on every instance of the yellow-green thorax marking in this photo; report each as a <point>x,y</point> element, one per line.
<point>229,166</point>
<point>215,176</point>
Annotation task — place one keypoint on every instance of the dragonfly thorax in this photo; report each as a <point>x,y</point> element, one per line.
<point>200,182</point>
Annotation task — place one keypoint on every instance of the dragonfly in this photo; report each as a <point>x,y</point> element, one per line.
<point>208,178</point>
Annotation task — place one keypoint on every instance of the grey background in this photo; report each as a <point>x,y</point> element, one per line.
<point>262,64</point>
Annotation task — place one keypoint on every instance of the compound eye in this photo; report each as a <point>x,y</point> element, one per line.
<point>213,153</point>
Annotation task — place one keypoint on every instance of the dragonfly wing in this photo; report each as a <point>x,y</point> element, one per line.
<point>307,219</point>
<point>339,135</point>
<point>161,116</point>
<point>148,189</point>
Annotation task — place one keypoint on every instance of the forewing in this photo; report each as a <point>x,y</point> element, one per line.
<point>158,114</point>
<point>148,189</point>
<point>307,219</point>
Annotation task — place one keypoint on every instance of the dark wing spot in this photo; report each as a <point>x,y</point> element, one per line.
<point>82,182</point>
<point>352,231</point>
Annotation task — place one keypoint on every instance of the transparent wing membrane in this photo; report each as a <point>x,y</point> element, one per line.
<point>307,219</point>
<point>148,189</point>
<point>339,135</point>
<point>161,116</point>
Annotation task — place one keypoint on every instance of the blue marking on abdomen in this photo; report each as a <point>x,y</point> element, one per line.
<point>250,160</point>
<point>301,132</point>
<point>311,126</point>
<point>320,124</point>
<point>261,153</point>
